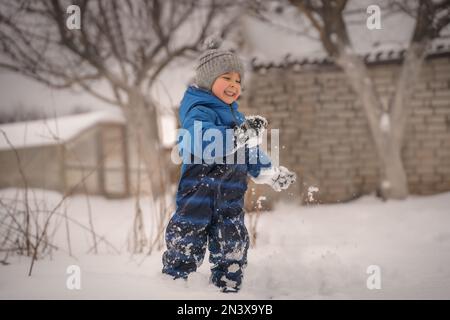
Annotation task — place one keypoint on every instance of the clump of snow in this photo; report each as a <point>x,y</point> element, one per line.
<point>229,283</point>
<point>187,249</point>
<point>259,200</point>
<point>233,268</point>
<point>311,190</point>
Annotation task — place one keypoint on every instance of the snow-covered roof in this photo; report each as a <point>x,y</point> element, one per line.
<point>290,41</point>
<point>54,130</point>
<point>373,57</point>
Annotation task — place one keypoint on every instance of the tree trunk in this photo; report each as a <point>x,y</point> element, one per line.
<point>411,67</point>
<point>143,123</point>
<point>394,183</point>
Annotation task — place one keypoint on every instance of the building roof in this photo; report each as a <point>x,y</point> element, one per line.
<point>54,130</point>
<point>374,57</point>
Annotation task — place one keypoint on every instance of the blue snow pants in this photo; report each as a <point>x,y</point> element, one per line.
<point>210,200</point>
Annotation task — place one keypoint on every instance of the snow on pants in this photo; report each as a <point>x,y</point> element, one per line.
<point>209,212</point>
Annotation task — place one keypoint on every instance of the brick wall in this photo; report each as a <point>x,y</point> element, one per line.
<point>324,135</point>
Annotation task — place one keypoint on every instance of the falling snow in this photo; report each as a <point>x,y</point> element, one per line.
<point>311,190</point>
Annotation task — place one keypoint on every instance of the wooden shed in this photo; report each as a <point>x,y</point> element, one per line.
<point>84,153</point>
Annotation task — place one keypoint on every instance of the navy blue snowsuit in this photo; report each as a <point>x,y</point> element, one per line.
<point>210,196</point>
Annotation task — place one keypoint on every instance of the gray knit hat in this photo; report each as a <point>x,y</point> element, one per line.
<point>213,63</point>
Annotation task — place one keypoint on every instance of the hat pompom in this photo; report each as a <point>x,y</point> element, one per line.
<point>213,42</point>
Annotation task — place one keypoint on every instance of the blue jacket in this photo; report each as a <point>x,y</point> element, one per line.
<point>201,107</point>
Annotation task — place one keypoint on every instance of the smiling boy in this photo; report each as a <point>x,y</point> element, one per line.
<point>210,196</point>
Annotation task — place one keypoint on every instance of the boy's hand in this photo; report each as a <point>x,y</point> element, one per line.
<point>257,123</point>
<point>250,132</point>
<point>282,178</point>
<point>279,178</point>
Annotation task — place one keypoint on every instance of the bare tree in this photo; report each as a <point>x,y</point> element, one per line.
<point>125,44</point>
<point>327,18</point>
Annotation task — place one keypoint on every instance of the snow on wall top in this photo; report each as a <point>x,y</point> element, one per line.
<point>377,56</point>
<point>54,130</point>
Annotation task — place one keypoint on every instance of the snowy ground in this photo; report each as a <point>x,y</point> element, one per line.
<point>319,252</point>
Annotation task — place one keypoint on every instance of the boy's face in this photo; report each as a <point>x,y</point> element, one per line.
<point>227,87</point>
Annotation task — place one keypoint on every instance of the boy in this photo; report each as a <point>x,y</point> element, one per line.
<point>210,194</point>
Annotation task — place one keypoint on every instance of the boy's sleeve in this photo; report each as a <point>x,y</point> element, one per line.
<point>193,139</point>
<point>257,160</point>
